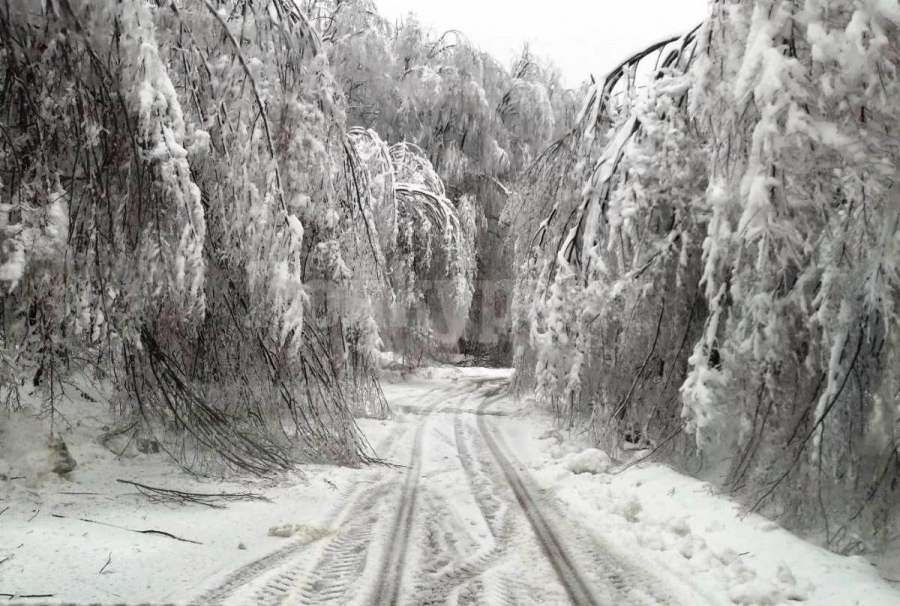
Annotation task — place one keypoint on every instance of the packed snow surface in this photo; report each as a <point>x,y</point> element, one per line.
<point>486,502</point>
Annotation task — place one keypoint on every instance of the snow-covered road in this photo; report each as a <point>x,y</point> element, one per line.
<point>459,520</point>
<point>481,502</point>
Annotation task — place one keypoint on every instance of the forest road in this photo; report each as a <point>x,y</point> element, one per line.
<point>457,519</point>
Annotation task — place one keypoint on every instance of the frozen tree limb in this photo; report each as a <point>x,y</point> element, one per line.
<point>108,560</point>
<point>207,499</point>
<point>150,531</point>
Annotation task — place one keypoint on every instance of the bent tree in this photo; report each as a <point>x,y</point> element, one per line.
<point>182,214</point>
<point>720,282</point>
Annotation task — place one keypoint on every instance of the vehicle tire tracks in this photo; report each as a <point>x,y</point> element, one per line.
<point>464,575</point>
<point>621,584</point>
<point>254,570</point>
<point>348,569</point>
<point>340,564</point>
<point>391,577</point>
<point>578,590</point>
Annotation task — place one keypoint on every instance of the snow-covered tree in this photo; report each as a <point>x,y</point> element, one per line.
<point>477,122</point>
<point>721,281</point>
<point>426,243</point>
<point>174,209</point>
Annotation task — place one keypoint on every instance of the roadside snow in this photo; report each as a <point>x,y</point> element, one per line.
<point>675,525</point>
<point>67,556</point>
<point>72,537</point>
<point>591,461</point>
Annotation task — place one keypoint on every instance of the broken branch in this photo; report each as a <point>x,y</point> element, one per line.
<point>207,499</point>
<point>151,531</point>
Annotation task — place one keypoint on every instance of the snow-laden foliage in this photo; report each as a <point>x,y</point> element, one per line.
<point>177,215</point>
<point>479,123</point>
<point>721,280</point>
<point>425,245</point>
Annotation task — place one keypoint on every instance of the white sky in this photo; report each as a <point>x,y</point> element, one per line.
<point>581,36</point>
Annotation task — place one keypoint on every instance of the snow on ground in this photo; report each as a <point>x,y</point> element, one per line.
<point>676,525</point>
<point>73,537</point>
<point>47,546</point>
<point>67,557</point>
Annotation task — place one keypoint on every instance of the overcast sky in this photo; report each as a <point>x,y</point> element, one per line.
<point>581,36</point>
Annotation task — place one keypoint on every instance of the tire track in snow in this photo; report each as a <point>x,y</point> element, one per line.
<point>464,581</point>
<point>623,584</point>
<point>391,578</point>
<point>343,563</point>
<point>342,560</point>
<point>264,565</point>
<point>254,570</point>
<point>576,587</point>
<point>497,588</point>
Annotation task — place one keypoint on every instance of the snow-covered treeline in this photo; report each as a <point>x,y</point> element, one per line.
<point>223,210</point>
<point>183,214</point>
<point>480,123</point>
<point>719,280</point>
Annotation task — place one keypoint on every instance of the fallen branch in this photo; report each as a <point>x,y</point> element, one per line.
<point>652,453</point>
<point>159,532</point>
<point>202,498</point>
<point>13,596</point>
<point>4,510</point>
<point>105,438</point>
<point>108,560</point>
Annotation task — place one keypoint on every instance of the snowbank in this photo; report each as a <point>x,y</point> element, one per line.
<point>73,536</point>
<point>590,461</point>
<point>656,514</point>
<point>693,538</point>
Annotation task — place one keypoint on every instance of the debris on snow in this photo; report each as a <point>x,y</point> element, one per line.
<point>21,455</point>
<point>63,462</point>
<point>679,527</point>
<point>591,461</point>
<point>307,533</point>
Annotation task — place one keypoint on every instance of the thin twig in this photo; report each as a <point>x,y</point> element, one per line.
<point>108,560</point>
<point>202,498</point>
<point>151,531</point>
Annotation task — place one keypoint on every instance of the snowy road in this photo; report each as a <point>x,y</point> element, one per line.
<point>458,520</point>
<point>481,502</point>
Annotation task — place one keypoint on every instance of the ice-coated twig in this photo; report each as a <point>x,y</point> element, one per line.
<point>203,498</point>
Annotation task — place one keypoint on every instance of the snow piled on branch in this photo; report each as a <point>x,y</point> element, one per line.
<point>725,282</point>
<point>425,242</point>
<point>161,127</point>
